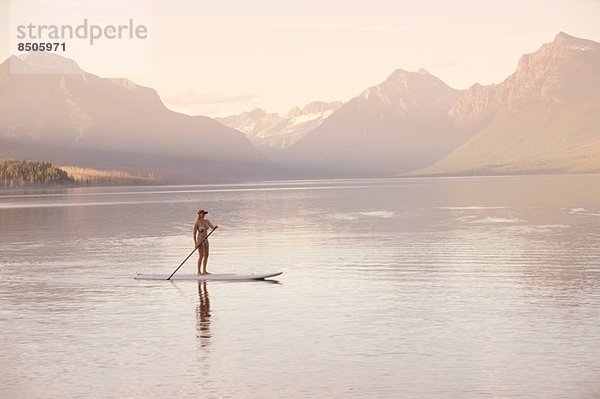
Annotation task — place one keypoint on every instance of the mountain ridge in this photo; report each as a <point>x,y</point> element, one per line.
<point>272,132</point>
<point>384,129</point>
<point>542,118</point>
<point>82,119</point>
<point>546,108</point>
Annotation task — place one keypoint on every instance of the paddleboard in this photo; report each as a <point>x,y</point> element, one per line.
<point>207,277</point>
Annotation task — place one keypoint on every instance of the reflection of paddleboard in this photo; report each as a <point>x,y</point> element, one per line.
<point>207,277</point>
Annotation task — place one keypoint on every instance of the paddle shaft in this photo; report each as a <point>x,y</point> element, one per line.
<point>191,253</point>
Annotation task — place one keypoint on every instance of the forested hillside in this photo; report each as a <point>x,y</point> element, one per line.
<point>19,173</point>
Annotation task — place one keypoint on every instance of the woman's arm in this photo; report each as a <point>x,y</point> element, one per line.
<point>211,225</point>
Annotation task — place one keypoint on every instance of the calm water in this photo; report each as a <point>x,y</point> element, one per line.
<point>412,288</point>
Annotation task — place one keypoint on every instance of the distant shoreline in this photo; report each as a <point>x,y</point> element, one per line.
<point>33,187</point>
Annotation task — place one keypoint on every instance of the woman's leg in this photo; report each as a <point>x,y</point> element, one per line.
<point>200,257</point>
<point>205,250</point>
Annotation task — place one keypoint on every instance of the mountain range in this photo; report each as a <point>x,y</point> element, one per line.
<point>394,127</point>
<point>272,131</point>
<point>541,119</point>
<point>544,118</point>
<point>51,109</point>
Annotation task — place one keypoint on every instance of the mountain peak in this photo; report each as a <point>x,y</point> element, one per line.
<point>562,36</point>
<point>403,90</point>
<point>315,107</point>
<point>106,123</point>
<point>402,72</point>
<point>541,74</point>
<point>562,71</point>
<point>399,73</point>
<point>256,113</point>
<point>403,78</point>
<point>41,62</point>
<point>566,41</point>
<point>271,131</point>
<point>542,118</point>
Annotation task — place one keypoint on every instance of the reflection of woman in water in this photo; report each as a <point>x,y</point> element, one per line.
<point>203,311</point>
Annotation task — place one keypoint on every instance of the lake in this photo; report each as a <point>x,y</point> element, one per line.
<point>415,288</point>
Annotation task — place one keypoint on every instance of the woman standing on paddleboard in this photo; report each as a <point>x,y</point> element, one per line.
<point>200,240</point>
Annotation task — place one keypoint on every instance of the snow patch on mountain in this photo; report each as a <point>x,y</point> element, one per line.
<point>277,132</point>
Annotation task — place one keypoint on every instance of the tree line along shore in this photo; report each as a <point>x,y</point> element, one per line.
<point>19,173</point>
<point>16,173</point>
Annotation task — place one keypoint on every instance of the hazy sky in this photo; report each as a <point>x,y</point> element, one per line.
<point>222,57</point>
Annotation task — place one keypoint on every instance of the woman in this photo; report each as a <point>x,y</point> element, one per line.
<point>200,233</point>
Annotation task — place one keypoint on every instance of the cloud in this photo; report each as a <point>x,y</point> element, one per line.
<point>193,98</point>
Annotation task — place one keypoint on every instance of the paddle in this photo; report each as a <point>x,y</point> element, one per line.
<point>191,253</point>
